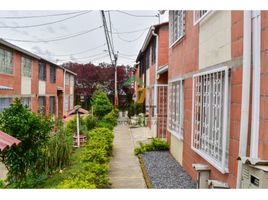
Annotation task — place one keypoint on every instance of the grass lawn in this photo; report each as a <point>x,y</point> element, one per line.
<point>58,177</point>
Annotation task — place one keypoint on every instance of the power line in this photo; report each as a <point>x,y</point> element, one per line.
<point>48,23</point>
<point>134,31</point>
<point>86,57</point>
<point>133,15</point>
<point>55,39</point>
<point>40,16</point>
<point>110,22</point>
<point>133,40</point>
<point>102,57</point>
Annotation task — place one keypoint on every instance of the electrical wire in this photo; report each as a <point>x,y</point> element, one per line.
<point>86,57</point>
<point>133,40</point>
<point>39,16</point>
<point>102,57</point>
<point>112,40</point>
<point>48,23</point>
<point>55,39</point>
<point>133,15</point>
<point>134,31</point>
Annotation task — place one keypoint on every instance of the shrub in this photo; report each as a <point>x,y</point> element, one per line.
<point>71,126</point>
<point>111,118</point>
<point>135,109</point>
<point>33,131</point>
<point>101,104</point>
<point>90,122</point>
<point>155,145</point>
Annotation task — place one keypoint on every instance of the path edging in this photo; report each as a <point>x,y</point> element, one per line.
<point>145,173</point>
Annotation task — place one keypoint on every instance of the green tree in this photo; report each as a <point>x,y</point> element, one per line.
<point>33,131</point>
<point>101,104</point>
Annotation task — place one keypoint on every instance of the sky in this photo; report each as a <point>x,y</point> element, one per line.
<point>132,27</point>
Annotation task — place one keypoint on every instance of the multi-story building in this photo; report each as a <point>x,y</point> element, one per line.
<point>41,84</point>
<point>151,78</point>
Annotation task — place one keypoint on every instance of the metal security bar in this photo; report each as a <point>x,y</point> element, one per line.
<point>175,108</point>
<point>162,110</point>
<point>209,116</point>
<point>199,15</point>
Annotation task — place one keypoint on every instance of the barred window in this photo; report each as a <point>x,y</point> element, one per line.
<point>71,80</point>
<point>67,79</point>
<point>175,108</point>
<point>209,120</point>
<point>52,74</point>
<point>199,15</point>
<point>52,105</point>
<point>26,101</point>
<point>5,103</point>
<point>66,103</point>
<point>71,102</point>
<point>26,65</point>
<point>177,28</point>
<point>6,61</point>
<point>41,104</point>
<point>42,71</point>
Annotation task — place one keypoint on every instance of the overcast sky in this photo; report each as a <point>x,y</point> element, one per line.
<point>128,44</point>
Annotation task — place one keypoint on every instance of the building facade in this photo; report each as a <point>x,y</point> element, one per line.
<point>42,85</point>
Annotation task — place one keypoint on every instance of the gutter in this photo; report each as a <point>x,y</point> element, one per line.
<point>156,67</point>
<point>245,93</point>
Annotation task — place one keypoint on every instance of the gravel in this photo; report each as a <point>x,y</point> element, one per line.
<point>165,172</point>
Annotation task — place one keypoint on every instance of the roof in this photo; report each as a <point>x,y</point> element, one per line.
<point>28,53</point>
<point>149,36</point>
<point>79,109</point>
<point>7,141</point>
<point>2,87</point>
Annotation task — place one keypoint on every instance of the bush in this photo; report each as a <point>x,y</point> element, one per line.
<point>90,122</point>
<point>101,104</point>
<point>111,118</point>
<point>155,145</point>
<point>33,131</point>
<point>71,126</point>
<point>135,109</point>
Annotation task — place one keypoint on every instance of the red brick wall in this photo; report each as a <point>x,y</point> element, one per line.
<point>163,46</point>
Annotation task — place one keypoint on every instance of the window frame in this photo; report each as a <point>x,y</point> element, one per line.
<point>43,111</point>
<point>52,78</point>
<point>24,61</point>
<point>54,105</point>
<point>29,103</point>
<point>43,77</point>
<point>67,80</point>
<point>171,29</point>
<point>197,21</point>
<point>221,165</point>
<point>3,69</point>
<point>177,133</point>
<point>2,108</point>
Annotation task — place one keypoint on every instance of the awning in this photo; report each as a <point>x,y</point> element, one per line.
<point>7,141</point>
<point>5,88</point>
<point>162,69</point>
<point>60,88</point>
<point>80,110</point>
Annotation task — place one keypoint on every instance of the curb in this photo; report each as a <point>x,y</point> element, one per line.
<point>145,174</point>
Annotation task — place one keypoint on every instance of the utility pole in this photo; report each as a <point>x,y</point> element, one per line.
<point>115,81</point>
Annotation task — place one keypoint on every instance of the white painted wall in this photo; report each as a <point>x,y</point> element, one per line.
<point>215,39</point>
<point>25,85</point>
<point>42,87</point>
<point>176,148</point>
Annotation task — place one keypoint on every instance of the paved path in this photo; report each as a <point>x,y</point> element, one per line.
<point>125,171</point>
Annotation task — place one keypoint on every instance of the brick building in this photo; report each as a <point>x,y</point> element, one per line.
<point>41,84</point>
<point>151,77</point>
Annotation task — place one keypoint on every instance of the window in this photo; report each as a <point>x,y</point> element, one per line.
<point>66,103</point>
<point>71,102</point>
<point>153,51</point>
<point>71,80</point>
<point>209,120</point>
<point>52,105</point>
<point>175,108</point>
<point>5,103</point>
<point>26,101</point>
<point>177,25</point>
<point>42,104</point>
<point>147,58</point>
<point>26,65</point>
<point>42,71</point>
<point>67,79</point>
<point>199,15</point>
<point>6,61</point>
<point>52,74</point>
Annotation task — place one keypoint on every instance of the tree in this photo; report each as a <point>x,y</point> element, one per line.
<point>101,104</point>
<point>33,131</point>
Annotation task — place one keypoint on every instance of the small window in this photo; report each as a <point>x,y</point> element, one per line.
<point>153,51</point>
<point>71,81</point>
<point>52,74</point>
<point>26,65</point>
<point>6,61</point>
<point>5,103</point>
<point>52,105</point>
<point>177,29</point>
<point>42,71</point>
<point>67,79</point>
<point>41,104</point>
<point>26,101</point>
<point>66,103</point>
<point>199,15</point>
<point>175,108</point>
<point>210,117</point>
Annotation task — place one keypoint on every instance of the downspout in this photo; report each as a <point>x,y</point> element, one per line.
<point>156,67</point>
<point>256,50</point>
<point>64,73</point>
<point>245,92</point>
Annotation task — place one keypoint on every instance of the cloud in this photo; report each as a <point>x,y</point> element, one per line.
<point>43,53</point>
<point>50,29</point>
<point>63,27</point>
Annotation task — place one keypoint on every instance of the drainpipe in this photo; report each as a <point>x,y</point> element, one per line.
<point>245,92</point>
<point>64,73</point>
<point>156,67</point>
<point>256,50</point>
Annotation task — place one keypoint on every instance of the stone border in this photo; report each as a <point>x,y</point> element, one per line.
<point>144,172</point>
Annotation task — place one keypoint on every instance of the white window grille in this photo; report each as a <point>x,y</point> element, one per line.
<point>71,81</point>
<point>67,79</point>
<point>177,25</point>
<point>71,102</point>
<point>209,119</point>
<point>199,15</point>
<point>26,101</point>
<point>66,102</point>
<point>5,103</point>
<point>6,61</point>
<point>26,65</point>
<point>175,108</point>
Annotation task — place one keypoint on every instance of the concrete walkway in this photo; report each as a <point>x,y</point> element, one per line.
<point>125,171</point>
